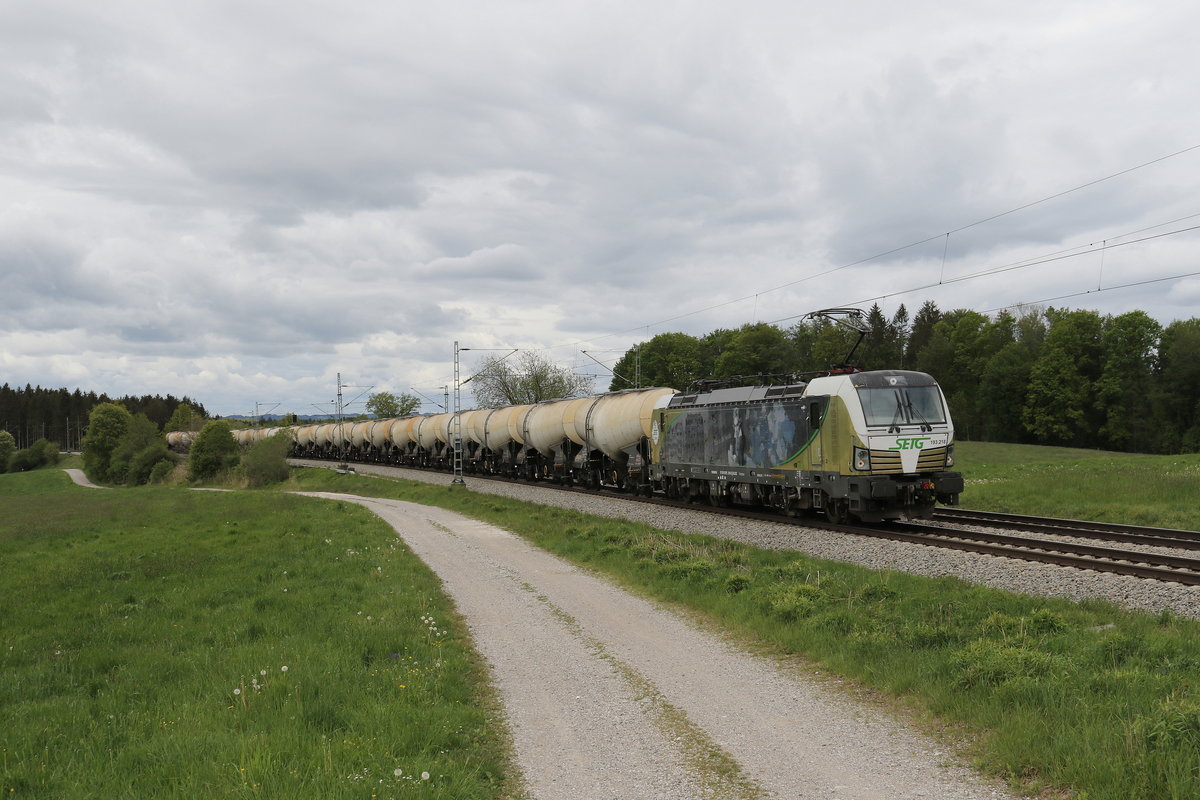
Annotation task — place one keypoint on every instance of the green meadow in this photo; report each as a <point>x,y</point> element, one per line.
<point>1161,491</point>
<point>165,643</point>
<point>143,635</point>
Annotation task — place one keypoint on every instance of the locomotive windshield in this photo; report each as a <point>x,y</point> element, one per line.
<point>902,405</point>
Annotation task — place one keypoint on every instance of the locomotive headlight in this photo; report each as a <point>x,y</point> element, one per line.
<point>862,459</point>
<point>950,456</point>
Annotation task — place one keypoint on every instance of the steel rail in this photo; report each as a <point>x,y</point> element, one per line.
<point>1101,559</point>
<point>1107,531</point>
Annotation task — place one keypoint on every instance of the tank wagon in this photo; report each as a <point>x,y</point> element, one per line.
<point>864,445</point>
<point>593,441</point>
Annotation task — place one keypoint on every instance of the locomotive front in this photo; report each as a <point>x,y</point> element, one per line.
<point>897,447</point>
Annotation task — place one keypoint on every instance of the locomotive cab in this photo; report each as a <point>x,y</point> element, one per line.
<point>897,448</point>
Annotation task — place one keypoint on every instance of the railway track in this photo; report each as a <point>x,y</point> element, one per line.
<point>1037,545</point>
<point>1106,531</point>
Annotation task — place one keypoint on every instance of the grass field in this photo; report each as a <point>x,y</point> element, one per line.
<point>129,619</point>
<point>1056,697</point>
<point>165,643</point>
<point>1161,491</point>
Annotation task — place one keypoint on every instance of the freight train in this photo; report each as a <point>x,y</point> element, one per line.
<point>868,446</point>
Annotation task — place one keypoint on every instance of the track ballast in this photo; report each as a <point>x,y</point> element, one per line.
<point>1068,551</point>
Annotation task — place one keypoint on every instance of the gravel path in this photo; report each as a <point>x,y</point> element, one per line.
<point>1002,573</point>
<point>611,696</point>
<point>80,478</point>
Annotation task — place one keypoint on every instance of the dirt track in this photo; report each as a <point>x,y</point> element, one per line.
<point>611,696</point>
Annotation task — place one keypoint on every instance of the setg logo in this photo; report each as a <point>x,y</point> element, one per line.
<point>911,442</point>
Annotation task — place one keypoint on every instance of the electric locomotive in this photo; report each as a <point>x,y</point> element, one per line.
<point>865,445</point>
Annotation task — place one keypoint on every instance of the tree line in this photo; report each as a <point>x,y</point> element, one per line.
<point>61,415</point>
<point>1044,376</point>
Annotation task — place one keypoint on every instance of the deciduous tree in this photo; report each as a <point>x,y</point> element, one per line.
<point>526,377</point>
<point>213,451</point>
<point>385,405</point>
<point>107,423</point>
<point>669,359</point>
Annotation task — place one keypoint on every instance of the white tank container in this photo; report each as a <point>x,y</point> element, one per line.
<point>496,434</point>
<point>377,433</point>
<point>339,436</point>
<point>469,434</point>
<point>618,421</point>
<point>475,425</point>
<point>444,421</point>
<point>425,431</point>
<point>544,428</point>
<point>516,423</point>
<point>323,436</point>
<point>400,434</point>
<point>575,418</point>
<point>305,434</point>
<point>359,432</point>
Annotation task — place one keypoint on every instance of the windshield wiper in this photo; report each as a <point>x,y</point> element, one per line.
<point>913,412</point>
<point>895,426</point>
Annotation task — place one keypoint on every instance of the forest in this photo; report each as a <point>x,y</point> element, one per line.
<point>60,415</point>
<point>1042,376</point>
<point>1048,376</point>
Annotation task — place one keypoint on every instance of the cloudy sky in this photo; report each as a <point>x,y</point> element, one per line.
<point>238,200</point>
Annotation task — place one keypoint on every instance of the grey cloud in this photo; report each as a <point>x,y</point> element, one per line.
<point>289,190</point>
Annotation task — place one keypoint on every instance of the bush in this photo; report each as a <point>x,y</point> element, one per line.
<point>988,663</point>
<point>143,463</point>
<point>21,461</point>
<point>136,452</point>
<point>790,602</point>
<point>214,451</point>
<point>8,446</point>
<point>266,461</point>
<point>735,584</point>
<point>39,454</point>
<point>161,471</point>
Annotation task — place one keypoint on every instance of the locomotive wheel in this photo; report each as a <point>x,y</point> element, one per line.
<point>836,511</point>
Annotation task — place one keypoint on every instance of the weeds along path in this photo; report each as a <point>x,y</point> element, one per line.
<point>609,695</point>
